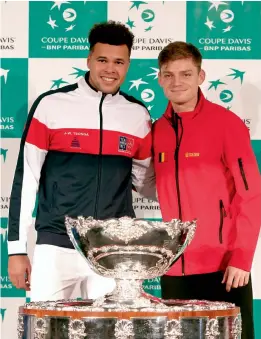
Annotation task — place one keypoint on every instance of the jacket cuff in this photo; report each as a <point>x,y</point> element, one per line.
<point>241,260</point>
<point>16,247</point>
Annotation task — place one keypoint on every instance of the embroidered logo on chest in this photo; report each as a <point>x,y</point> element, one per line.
<point>75,143</point>
<point>192,154</point>
<point>125,144</point>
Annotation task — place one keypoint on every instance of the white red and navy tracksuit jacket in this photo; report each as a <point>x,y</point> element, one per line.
<point>206,169</point>
<point>81,151</point>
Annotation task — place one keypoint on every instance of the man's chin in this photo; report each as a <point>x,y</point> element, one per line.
<point>178,99</point>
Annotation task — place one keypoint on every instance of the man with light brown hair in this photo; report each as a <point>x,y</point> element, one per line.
<point>206,169</point>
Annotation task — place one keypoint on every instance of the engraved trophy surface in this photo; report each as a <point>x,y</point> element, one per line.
<point>129,250</point>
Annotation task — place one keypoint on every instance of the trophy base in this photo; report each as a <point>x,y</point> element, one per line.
<point>186,319</point>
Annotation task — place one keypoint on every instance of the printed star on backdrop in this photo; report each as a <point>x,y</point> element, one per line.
<point>209,23</point>
<point>215,84</point>
<point>130,23</point>
<point>70,28</point>
<point>237,74</point>
<point>137,4</point>
<point>228,107</point>
<point>155,73</point>
<point>149,108</point>
<point>51,22</point>
<point>137,83</point>
<point>3,313</point>
<point>216,4</point>
<point>3,73</point>
<point>227,29</point>
<point>148,28</point>
<point>79,72</point>
<point>57,83</point>
<point>3,232</point>
<point>59,4</point>
<point>4,154</point>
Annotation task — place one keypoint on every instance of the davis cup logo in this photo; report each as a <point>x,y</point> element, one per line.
<point>230,93</point>
<point>141,16</point>
<point>216,27</point>
<point>226,16</point>
<point>69,15</point>
<point>60,28</point>
<point>143,88</point>
<point>224,91</point>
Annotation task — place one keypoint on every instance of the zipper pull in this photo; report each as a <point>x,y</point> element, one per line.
<point>176,153</point>
<point>223,208</point>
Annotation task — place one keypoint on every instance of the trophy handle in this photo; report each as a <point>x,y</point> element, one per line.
<point>188,235</point>
<point>71,226</point>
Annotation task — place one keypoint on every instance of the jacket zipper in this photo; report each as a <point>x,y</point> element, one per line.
<point>54,194</point>
<point>99,159</point>
<point>223,214</point>
<point>176,157</point>
<point>243,174</point>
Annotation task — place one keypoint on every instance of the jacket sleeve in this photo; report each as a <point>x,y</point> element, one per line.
<point>143,175</point>
<point>33,149</point>
<point>246,204</point>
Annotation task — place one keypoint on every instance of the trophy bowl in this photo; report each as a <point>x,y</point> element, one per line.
<point>129,250</point>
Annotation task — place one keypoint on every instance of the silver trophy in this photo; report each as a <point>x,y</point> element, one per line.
<point>129,250</point>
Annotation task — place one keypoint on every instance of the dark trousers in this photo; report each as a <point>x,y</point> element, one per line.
<point>209,287</point>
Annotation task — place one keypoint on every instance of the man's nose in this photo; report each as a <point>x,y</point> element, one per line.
<point>110,67</point>
<point>175,81</point>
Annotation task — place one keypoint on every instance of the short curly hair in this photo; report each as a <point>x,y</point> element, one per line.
<point>112,33</point>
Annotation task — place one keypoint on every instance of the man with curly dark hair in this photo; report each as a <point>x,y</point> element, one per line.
<point>84,147</point>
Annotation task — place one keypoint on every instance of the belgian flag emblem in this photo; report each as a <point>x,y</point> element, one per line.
<point>163,157</point>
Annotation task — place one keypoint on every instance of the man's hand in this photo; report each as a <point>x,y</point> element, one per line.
<point>19,269</point>
<point>235,277</point>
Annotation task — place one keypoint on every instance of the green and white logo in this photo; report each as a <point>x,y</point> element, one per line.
<point>59,29</point>
<point>140,15</point>
<point>71,77</point>
<point>7,289</point>
<point>225,29</point>
<point>154,24</point>
<point>142,83</point>
<point>14,96</point>
<point>226,90</point>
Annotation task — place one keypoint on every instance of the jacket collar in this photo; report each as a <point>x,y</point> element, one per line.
<point>85,85</point>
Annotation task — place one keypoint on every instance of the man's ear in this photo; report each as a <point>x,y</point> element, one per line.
<point>160,79</point>
<point>202,76</point>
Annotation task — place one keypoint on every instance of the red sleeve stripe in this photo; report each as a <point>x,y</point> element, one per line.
<point>144,151</point>
<point>38,134</point>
